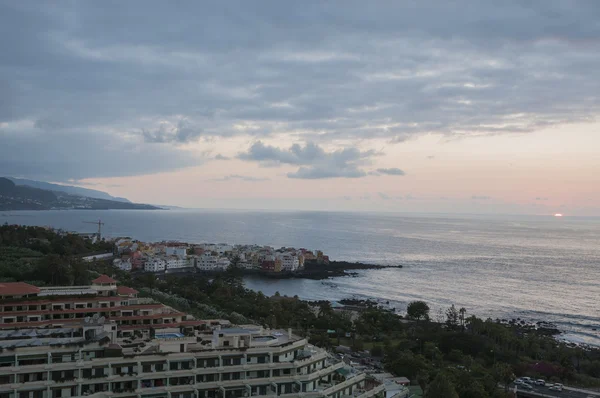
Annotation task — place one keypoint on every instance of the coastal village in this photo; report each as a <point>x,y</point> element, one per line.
<point>134,255</point>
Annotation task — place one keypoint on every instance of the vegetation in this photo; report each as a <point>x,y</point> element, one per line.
<point>459,355</point>
<point>44,257</point>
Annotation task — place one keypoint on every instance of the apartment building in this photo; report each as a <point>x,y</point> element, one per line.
<point>173,262</point>
<point>155,264</point>
<point>211,261</point>
<point>289,261</point>
<point>24,306</point>
<point>89,359</point>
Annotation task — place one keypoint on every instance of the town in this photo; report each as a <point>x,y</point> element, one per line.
<point>134,255</point>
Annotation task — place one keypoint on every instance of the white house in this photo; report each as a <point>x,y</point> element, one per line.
<point>122,264</point>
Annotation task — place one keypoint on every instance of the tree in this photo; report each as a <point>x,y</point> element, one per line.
<point>452,318</point>
<point>423,380</point>
<point>503,373</point>
<point>418,310</point>
<point>149,280</point>
<point>377,351</point>
<point>440,387</point>
<point>233,276</point>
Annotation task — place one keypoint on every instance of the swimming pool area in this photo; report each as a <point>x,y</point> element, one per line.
<point>168,335</point>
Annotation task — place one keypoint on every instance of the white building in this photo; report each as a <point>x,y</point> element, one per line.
<point>175,262</point>
<point>155,264</point>
<point>211,262</point>
<point>122,264</point>
<point>289,262</point>
<point>179,251</point>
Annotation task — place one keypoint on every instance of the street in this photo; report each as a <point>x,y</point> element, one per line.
<point>544,391</point>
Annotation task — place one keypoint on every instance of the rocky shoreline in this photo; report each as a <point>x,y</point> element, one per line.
<point>319,271</point>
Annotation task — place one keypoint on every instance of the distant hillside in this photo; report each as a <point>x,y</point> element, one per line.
<point>90,193</point>
<point>18,197</point>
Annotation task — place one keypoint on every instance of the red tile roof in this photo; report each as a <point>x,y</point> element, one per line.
<point>104,279</point>
<point>126,291</point>
<point>17,289</point>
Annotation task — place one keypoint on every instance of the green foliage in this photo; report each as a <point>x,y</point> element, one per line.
<point>418,310</point>
<point>377,351</point>
<point>441,386</point>
<point>43,256</point>
<point>452,318</point>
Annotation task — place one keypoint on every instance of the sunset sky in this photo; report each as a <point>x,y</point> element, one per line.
<point>312,105</point>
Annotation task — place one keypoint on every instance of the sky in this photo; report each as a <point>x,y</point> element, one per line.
<point>409,106</point>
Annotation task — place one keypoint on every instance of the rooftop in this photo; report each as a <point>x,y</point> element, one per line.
<point>104,279</point>
<point>17,289</point>
<point>124,290</point>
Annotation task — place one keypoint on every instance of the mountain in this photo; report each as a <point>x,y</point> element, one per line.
<point>23,197</point>
<point>90,193</point>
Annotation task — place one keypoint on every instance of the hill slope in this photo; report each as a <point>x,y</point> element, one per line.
<point>90,193</point>
<point>17,197</point>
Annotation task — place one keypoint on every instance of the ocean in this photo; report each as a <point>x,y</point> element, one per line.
<point>528,267</point>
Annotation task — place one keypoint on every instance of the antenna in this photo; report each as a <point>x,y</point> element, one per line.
<point>99,223</point>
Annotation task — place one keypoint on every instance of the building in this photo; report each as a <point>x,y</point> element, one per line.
<point>123,263</point>
<point>102,341</point>
<point>27,306</point>
<point>179,251</point>
<point>175,262</point>
<point>289,262</point>
<point>155,264</point>
<point>211,262</point>
<point>89,359</point>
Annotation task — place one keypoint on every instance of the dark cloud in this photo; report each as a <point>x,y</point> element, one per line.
<point>240,178</point>
<point>481,197</point>
<point>218,156</point>
<point>181,133</point>
<point>145,74</point>
<point>394,171</point>
<point>314,161</point>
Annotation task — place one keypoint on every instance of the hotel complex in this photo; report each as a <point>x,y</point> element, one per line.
<point>104,341</point>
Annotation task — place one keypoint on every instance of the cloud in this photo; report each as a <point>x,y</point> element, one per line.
<point>240,178</point>
<point>430,157</point>
<point>394,171</point>
<point>314,161</point>
<point>541,198</point>
<point>383,195</point>
<point>140,91</point>
<point>481,197</point>
<point>221,157</point>
<point>180,133</point>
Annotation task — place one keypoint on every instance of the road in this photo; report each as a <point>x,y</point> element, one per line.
<point>540,391</point>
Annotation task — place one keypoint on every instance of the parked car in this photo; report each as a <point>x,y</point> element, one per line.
<point>527,379</point>
<point>556,387</point>
<point>527,386</point>
<point>518,382</point>
<point>540,382</point>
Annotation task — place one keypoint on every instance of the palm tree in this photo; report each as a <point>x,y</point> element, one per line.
<point>462,313</point>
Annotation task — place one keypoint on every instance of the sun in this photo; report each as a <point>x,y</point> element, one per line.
<point>558,215</point>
